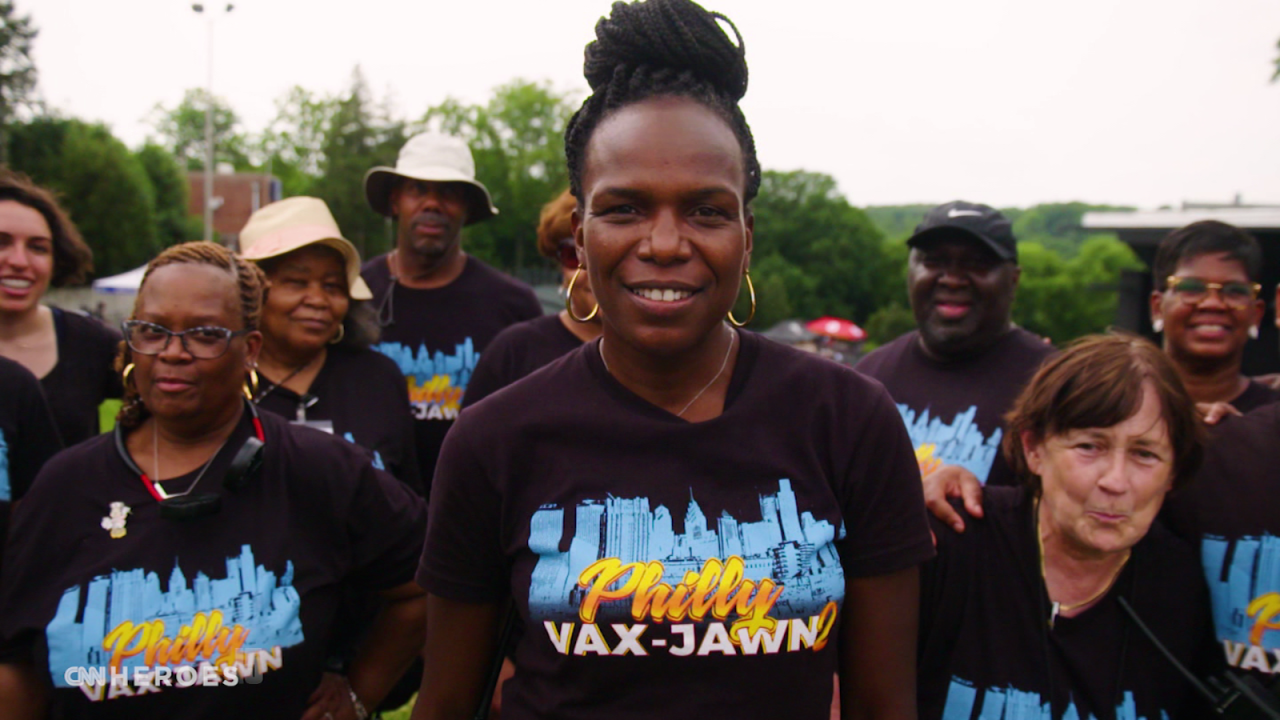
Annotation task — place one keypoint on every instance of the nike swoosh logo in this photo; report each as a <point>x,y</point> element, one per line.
<point>963,213</point>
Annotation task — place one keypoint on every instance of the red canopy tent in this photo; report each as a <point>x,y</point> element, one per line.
<point>837,329</point>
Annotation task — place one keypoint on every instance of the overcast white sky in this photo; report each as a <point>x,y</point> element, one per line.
<point>1009,102</point>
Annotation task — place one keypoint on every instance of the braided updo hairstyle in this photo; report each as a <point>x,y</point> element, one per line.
<point>662,48</point>
<point>249,280</point>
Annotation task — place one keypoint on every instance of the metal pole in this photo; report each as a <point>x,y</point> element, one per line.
<point>208,143</point>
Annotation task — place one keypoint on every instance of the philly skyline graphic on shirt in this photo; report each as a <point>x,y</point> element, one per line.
<point>436,380</point>
<point>959,442</point>
<point>6,492</point>
<point>1244,589</point>
<point>1012,704</point>
<point>126,621</point>
<point>630,584</point>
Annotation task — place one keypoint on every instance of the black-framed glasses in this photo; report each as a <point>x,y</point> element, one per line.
<point>208,342</point>
<point>567,254</point>
<point>1193,291</point>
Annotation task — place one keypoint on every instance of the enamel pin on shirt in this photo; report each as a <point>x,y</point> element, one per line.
<point>114,522</point>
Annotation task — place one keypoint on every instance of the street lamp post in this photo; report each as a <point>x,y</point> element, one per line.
<point>208,130</point>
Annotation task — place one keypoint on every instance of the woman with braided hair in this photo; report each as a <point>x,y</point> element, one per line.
<point>191,563</point>
<point>689,520</point>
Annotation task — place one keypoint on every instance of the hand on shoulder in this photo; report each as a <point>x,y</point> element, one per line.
<point>952,481</point>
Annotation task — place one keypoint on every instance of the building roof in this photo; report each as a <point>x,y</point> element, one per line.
<point>1249,218</point>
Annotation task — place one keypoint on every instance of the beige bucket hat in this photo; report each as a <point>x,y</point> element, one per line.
<point>434,157</point>
<point>296,222</point>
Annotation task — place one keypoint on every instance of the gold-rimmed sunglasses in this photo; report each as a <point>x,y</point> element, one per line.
<point>1193,291</point>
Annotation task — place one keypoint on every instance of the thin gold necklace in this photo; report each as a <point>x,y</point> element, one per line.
<point>1058,608</point>
<point>723,364</point>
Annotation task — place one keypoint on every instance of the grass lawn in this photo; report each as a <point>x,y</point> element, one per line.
<point>107,415</point>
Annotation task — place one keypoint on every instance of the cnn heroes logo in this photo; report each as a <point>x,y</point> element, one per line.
<point>99,683</point>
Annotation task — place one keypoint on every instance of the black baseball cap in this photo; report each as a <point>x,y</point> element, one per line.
<point>981,221</point>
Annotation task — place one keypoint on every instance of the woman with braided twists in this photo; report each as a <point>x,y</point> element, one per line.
<point>690,521</point>
<point>191,563</point>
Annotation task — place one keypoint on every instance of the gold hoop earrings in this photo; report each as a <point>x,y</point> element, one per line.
<point>342,332</point>
<point>746,275</point>
<point>124,375</point>
<point>250,386</point>
<point>568,301</point>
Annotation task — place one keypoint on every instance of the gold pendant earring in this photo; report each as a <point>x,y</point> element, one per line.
<point>250,386</point>
<point>568,301</point>
<point>746,274</point>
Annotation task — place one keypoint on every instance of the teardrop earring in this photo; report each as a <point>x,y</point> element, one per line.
<point>1157,325</point>
<point>1253,332</point>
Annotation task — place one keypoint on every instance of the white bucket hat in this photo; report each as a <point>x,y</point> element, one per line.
<point>437,158</point>
<point>296,222</point>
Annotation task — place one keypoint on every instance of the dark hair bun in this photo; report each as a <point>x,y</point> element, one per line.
<point>678,35</point>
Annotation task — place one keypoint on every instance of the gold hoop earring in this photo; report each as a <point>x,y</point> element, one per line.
<point>568,301</point>
<point>124,376</point>
<point>342,332</point>
<point>746,274</point>
<point>250,386</point>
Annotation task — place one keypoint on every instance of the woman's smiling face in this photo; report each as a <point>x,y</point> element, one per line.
<point>664,234</point>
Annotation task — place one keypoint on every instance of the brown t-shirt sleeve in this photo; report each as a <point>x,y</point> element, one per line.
<point>462,558</point>
<point>882,500</point>
<point>386,521</point>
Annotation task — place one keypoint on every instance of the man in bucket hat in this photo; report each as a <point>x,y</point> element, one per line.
<point>956,375</point>
<point>438,307</point>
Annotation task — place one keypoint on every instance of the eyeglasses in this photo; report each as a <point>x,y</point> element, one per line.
<point>567,254</point>
<point>203,343</point>
<point>1193,291</point>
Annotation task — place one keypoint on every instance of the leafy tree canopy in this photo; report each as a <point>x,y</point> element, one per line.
<point>814,253</point>
<point>103,187</point>
<point>358,135</point>
<point>17,71</point>
<point>181,130</point>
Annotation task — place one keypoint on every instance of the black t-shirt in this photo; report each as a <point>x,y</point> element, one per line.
<point>435,337</point>
<point>84,375</point>
<point>94,573</point>
<point>954,411</point>
<point>360,396</point>
<point>1232,511</point>
<point>516,352</point>
<point>27,435</point>
<point>985,643</point>
<point>1255,395</point>
<point>669,569</point>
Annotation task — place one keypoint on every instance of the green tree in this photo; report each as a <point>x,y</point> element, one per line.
<point>181,130</point>
<point>358,136</point>
<point>836,261</point>
<point>517,139</point>
<point>888,323</point>
<point>1057,226</point>
<point>292,146</point>
<point>1065,299</point>
<point>103,187</point>
<point>17,71</point>
<point>169,183</point>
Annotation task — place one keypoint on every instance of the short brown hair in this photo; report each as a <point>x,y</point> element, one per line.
<point>72,258</point>
<point>1096,382</point>
<point>554,224</point>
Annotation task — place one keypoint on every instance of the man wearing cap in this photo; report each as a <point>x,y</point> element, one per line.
<point>955,376</point>
<point>438,307</point>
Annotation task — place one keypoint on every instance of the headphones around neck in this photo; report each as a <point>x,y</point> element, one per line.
<point>245,462</point>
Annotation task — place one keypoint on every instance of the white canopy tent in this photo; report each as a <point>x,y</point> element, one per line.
<point>125,283</point>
